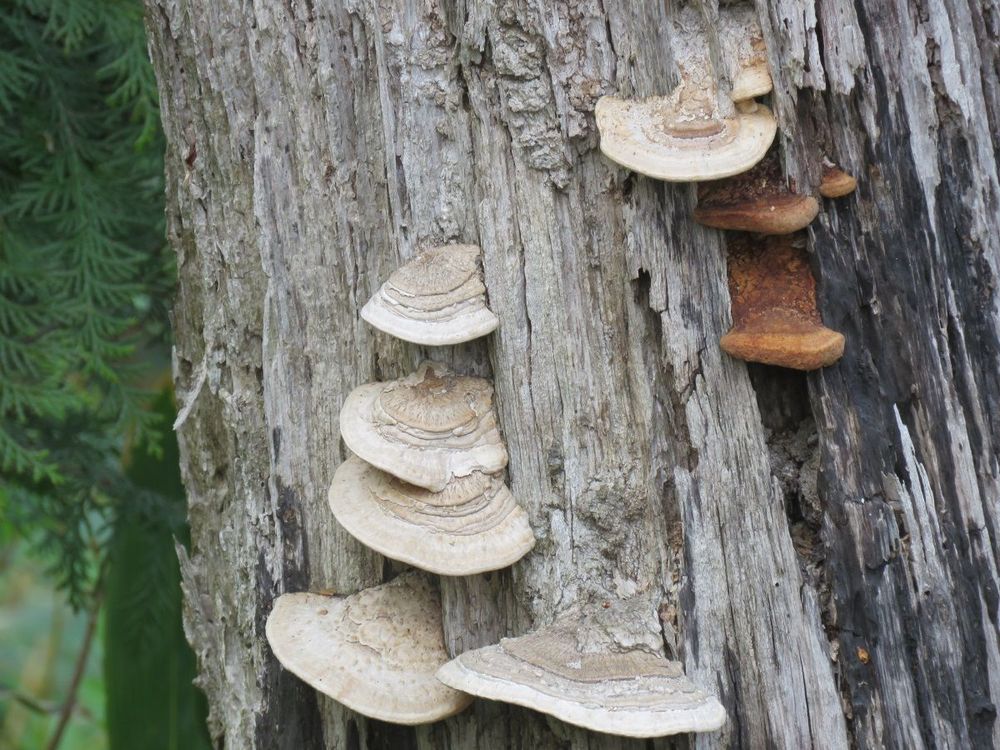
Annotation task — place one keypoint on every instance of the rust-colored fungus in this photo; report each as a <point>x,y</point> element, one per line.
<point>775,320</point>
<point>756,201</point>
<point>836,182</point>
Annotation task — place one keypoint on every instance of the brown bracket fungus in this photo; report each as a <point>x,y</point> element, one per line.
<point>756,201</point>
<point>775,320</point>
<point>438,298</point>
<point>375,651</point>
<point>471,526</point>
<point>426,428</point>
<point>836,183</point>
<point>681,138</point>
<point>571,671</point>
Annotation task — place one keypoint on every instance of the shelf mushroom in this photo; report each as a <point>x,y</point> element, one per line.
<point>836,183</point>
<point>471,526</point>
<point>745,52</point>
<point>565,671</point>
<point>437,298</point>
<point>426,428</point>
<point>775,320</point>
<point>685,136</point>
<point>681,137</point>
<point>756,201</point>
<point>375,651</point>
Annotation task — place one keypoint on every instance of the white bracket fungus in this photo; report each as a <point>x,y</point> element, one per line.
<point>375,651</point>
<point>426,428</point>
<point>471,526</point>
<point>687,136</point>
<point>437,298</point>
<point>743,48</point>
<point>680,138</point>
<point>569,670</point>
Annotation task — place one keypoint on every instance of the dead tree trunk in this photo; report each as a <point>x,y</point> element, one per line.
<point>825,547</point>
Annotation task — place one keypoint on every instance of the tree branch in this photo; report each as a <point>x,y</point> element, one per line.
<point>81,665</point>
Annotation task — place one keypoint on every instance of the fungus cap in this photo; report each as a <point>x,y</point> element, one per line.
<point>743,48</point>
<point>471,526</point>
<point>751,81</point>
<point>561,671</point>
<point>438,298</point>
<point>836,183</point>
<point>426,428</point>
<point>756,201</point>
<point>784,343</point>
<point>672,139</point>
<point>775,319</point>
<point>375,651</point>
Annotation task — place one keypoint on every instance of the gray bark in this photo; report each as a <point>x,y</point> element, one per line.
<point>823,548</point>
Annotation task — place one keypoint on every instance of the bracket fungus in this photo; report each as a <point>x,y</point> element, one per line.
<point>471,526</point>
<point>743,48</point>
<point>836,183</point>
<point>426,428</point>
<point>572,671</point>
<point>681,137</point>
<point>437,298</point>
<point>691,134</point>
<point>775,319</point>
<point>756,201</point>
<point>375,651</point>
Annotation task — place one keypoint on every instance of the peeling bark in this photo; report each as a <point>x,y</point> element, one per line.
<point>821,549</point>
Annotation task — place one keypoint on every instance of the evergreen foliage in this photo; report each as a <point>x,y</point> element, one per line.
<point>84,274</point>
<point>148,668</point>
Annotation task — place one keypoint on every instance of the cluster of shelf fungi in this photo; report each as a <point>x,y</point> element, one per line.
<point>425,485</point>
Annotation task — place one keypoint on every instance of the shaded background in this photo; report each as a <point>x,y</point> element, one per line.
<point>91,503</point>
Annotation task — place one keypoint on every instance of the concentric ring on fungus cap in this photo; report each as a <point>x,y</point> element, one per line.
<point>471,526</point>
<point>660,138</point>
<point>375,651</point>
<point>438,298</point>
<point>632,693</point>
<point>426,428</point>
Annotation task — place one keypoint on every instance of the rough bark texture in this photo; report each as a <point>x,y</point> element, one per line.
<point>822,549</point>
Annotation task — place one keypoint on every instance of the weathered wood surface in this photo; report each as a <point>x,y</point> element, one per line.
<point>822,550</point>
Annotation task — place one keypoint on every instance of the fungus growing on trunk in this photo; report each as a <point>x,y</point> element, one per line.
<point>471,526</point>
<point>579,671</point>
<point>756,201</point>
<point>437,298</point>
<point>426,428</point>
<point>836,183</point>
<point>681,137</point>
<point>375,651</point>
<point>743,48</point>
<point>691,134</point>
<point>775,320</point>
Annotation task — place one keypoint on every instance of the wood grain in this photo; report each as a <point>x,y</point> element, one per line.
<point>782,526</point>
